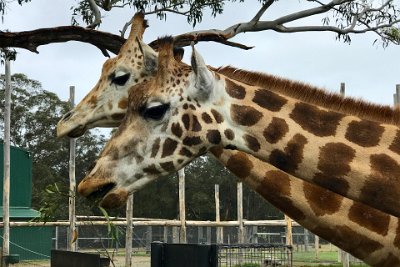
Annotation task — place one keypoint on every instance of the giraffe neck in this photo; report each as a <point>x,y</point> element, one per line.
<point>375,236</point>
<point>359,159</point>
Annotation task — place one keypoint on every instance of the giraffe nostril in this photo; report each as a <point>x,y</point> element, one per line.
<point>67,116</point>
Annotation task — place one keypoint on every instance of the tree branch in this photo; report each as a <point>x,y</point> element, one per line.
<point>31,40</point>
<point>262,10</point>
<point>96,13</point>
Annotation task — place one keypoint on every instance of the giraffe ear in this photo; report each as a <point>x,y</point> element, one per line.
<point>150,57</point>
<point>204,77</point>
<point>178,53</point>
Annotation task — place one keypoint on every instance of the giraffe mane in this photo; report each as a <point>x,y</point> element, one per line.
<point>314,95</point>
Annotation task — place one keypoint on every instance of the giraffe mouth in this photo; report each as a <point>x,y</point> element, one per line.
<point>101,192</point>
<point>77,132</point>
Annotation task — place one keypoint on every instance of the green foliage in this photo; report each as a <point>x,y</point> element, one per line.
<point>192,9</point>
<point>247,265</point>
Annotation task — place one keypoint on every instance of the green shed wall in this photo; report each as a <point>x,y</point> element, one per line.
<point>20,177</point>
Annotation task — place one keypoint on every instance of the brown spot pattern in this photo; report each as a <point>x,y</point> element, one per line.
<point>196,126</point>
<point>269,100</point>
<point>229,134</point>
<point>383,183</point>
<point>240,165</point>
<point>336,184</point>
<point>291,157</point>
<point>123,103</point>
<point>155,148</point>
<point>369,218</point>
<point>118,116</point>
<point>151,169</point>
<point>176,129</point>
<point>206,118</point>
<point>186,121</point>
<point>168,166</point>
<point>397,238</point>
<point>169,147</point>
<point>185,152</point>
<point>217,116</point>
<point>245,115</point>
<point>279,182</point>
<point>335,159</point>
<point>192,140</point>
<point>252,142</point>
<point>364,133</point>
<point>395,146</point>
<point>214,137</point>
<point>321,201</point>
<point>234,90</point>
<point>276,130</point>
<point>314,120</point>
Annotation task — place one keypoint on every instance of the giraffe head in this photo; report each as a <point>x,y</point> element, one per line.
<point>170,120</point>
<point>105,105</point>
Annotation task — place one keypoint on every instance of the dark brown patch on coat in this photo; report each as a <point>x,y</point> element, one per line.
<point>276,130</point>
<point>176,129</point>
<point>390,261</point>
<point>217,151</point>
<point>206,118</point>
<point>240,165</point>
<point>245,115</point>
<point>155,147</point>
<point>336,184</point>
<point>314,120</point>
<point>186,121</point>
<point>123,103</point>
<point>93,100</point>
<point>335,159</point>
<point>395,146</point>
<point>192,140</point>
<point>214,137</point>
<point>360,245</point>
<point>364,133</point>
<point>168,166</point>
<point>269,100</point>
<point>369,218</point>
<point>229,134</point>
<point>382,184</point>
<point>234,90</point>
<point>185,152</point>
<point>397,238</point>
<point>289,159</point>
<point>217,116</point>
<point>151,169</point>
<point>279,182</point>
<point>252,142</point>
<point>169,147</point>
<point>321,201</point>
<point>196,126</point>
<point>118,116</point>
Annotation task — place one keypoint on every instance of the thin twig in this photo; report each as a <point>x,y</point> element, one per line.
<point>262,10</point>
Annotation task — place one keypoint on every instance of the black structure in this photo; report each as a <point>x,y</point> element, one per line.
<point>201,255</point>
<point>63,258</point>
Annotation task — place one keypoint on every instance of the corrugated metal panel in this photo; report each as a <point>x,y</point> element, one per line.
<point>21,177</point>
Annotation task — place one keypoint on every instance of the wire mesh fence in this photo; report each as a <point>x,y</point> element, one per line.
<point>97,239</point>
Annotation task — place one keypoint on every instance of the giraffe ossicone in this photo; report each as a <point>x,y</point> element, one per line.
<point>309,141</point>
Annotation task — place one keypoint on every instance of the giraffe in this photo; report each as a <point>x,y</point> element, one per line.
<point>188,112</point>
<point>154,112</point>
<point>97,109</point>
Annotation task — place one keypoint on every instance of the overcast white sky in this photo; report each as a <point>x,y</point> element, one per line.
<point>369,71</point>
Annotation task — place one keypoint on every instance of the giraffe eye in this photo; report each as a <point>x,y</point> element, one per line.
<point>155,112</point>
<point>121,80</point>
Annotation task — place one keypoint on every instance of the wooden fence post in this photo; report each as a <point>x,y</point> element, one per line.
<point>72,233</point>
<point>219,238</point>
<point>129,231</point>
<point>240,212</point>
<point>6,177</point>
<point>182,208</point>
